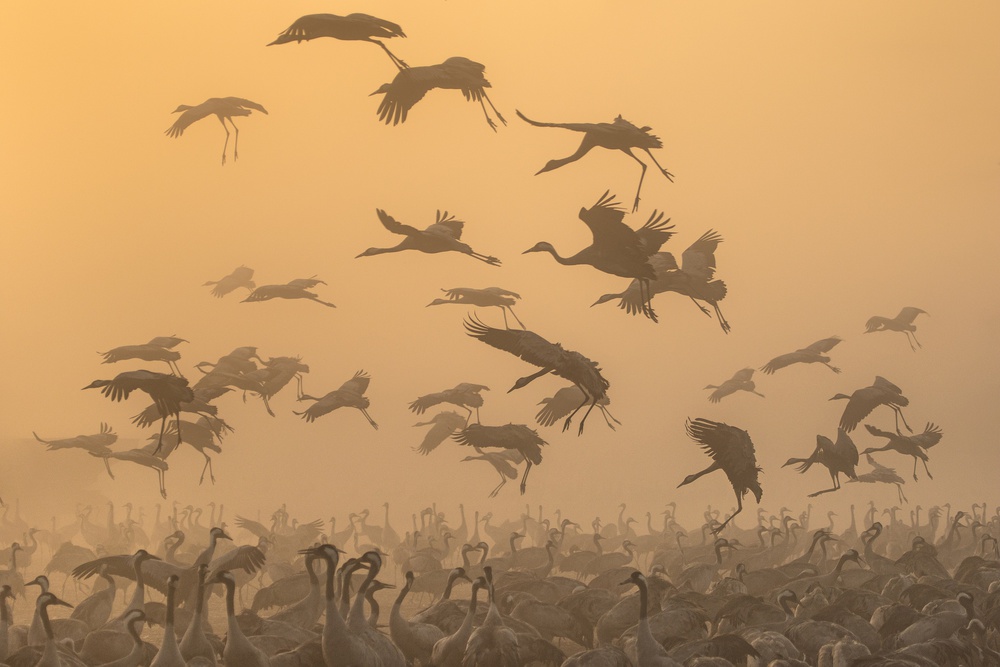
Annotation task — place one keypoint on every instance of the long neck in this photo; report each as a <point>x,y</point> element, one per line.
<point>139,596</point>
<point>373,617</point>
<point>356,617</point>
<point>466,626</point>
<point>335,628</point>
<point>447,589</point>
<point>643,603</point>
<point>567,261</point>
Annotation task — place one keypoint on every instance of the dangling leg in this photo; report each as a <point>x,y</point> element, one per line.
<point>478,421</point>
<point>586,399</point>
<point>607,414</point>
<point>503,481</point>
<point>700,307</point>
<point>236,141</point>
<point>515,317</point>
<point>524,480</point>
<point>832,368</point>
<point>899,415</point>
<point>490,102</point>
<point>899,488</point>
<point>267,405</point>
<point>914,468</point>
<point>504,311</point>
<point>489,120</point>
<point>929,475</point>
<point>739,502</point>
<point>585,415</point>
<point>163,483</point>
<point>628,151</point>
<point>368,417</point>
<point>159,443</point>
<point>722,320</point>
<point>670,177</point>
<point>395,61</point>
<point>225,145</point>
<point>108,466</point>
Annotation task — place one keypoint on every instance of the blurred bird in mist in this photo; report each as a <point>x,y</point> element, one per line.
<point>443,425</point>
<point>910,445</point>
<point>158,349</point>
<point>443,236</point>
<point>241,276</point>
<point>224,109</point>
<point>295,289</point>
<point>485,298</point>
<point>465,395</point>
<point>562,403</point>
<point>353,27</point>
<point>837,457</point>
<point>810,354</point>
<point>412,83</point>
<point>902,322</point>
<point>618,135</point>
<point>739,382</point>
<point>518,437</point>
<point>351,394</point>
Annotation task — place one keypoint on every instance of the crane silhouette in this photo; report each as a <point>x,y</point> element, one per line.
<point>693,278</point>
<point>95,442</point>
<point>224,109</point>
<point>562,403</point>
<point>739,382</point>
<point>518,437</point>
<point>351,394</point>
<point>145,456</point>
<point>167,392</point>
<point>158,349</point>
<point>807,355</point>
<point>619,135</point>
<point>465,395</point>
<point>864,400</point>
<point>443,425</point>
<point>485,298</point>
<point>617,248</point>
<point>902,322</point>
<point>295,289</point>
<point>882,474</point>
<point>241,276</point>
<point>733,452</point>
<point>443,236</point>
<point>353,27</point>
<point>551,357</point>
<point>910,445</point>
<point>505,462</point>
<point>412,83</point>
<point>837,457</point>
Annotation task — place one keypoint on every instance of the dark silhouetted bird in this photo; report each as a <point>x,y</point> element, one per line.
<point>739,382</point>
<point>619,135</point>
<point>882,474</point>
<point>902,322</point>
<point>96,442</point>
<point>465,395</point>
<point>617,248</point>
<point>910,445</point>
<point>295,289</point>
<point>505,462</point>
<point>411,84</point>
<point>485,298</point>
<point>837,457</point>
<point>353,27</point>
<point>443,236</point>
<point>158,349</point>
<point>516,437</point>
<point>864,400</point>
<point>224,108</point>
<point>732,451</point>
<point>351,394</point>
<point>551,357</point>
<point>241,276</point>
<point>810,354</point>
<point>167,392</point>
<point>564,401</point>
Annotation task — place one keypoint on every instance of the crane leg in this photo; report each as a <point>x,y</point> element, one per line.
<point>700,307</point>
<point>490,102</point>
<point>832,368</point>
<point>585,415</point>
<point>739,508</point>
<point>267,405</point>
<point>670,177</point>
<point>722,320</point>
<point>899,415</point>
<point>914,468</point>
<point>369,418</point>
<point>586,399</point>
<point>506,325</point>
<point>899,488</point>
<point>163,425</point>
<point>503,481</point>
<point>486,113</point>
<point>608,417</point>
<point>515,317</point>
<point>628,151</point>
<point>929,475</point>
<point>108,467</point>
<point>524,479</point>
<point>236,141</point>
<point>477,415</point>
<point>395,61</point>
<point>163,484</point>
<point>225,145</point>
<point>647,300</point>
<point>911,338</point>
<point>298,385</point>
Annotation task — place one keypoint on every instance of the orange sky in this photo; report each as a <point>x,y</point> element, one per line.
<point>847,154</point>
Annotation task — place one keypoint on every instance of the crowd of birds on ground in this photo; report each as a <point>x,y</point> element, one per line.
<point>788,590</point>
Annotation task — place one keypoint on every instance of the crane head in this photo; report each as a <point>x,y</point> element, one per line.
<point>382,90</point>
<point>541,246</point>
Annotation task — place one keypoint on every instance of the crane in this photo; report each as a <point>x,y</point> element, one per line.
<point>487,297</point>
<point>809,354</point>
<point>294,289</point>
<point>505,462</point>
<point>618,135</point>
<point>739,382</point>
<point>158,349</point>
<point>517,437</point>
<point>353,27</point>
<point>241,276</point>
<point>864,400</point>
<point>883,474</point>
<point>617,248</point>
<point>443,236</point>
<point>902,322</point>
<point>351,394</point>
<point>910,445</point>
<point>224,109</point>
<point>411,84</point>
<point>465,395</point>
<point>95,442</point>
<point>837,457</point>
<point>733,452</point>
<point>562,403</point>
<point>444,424</point>
<point>551,357</point>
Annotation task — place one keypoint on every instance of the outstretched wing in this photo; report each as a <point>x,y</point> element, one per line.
<point>605,219</point>
<point>254,527</point>
<point>930,437</point>
<point>780,362</point>
<point>246,558</point>
<point>559,405</point>
<point>408,88</point>
<point>743,375</point>
<point>876,323</point>
<point>245,104</point>
<point>654,233</point>
<point>357,384</point>
<point>527,345</point>
<point>395,226</point>
<point>446,225</point>
<point>844,448</point>
<point>393,29</point>
<point>699,258</point>
<point>878,432</point>
<point>728,445</point>
<point>445,424</point>
<point>908,314</point>
<point>824,345</point>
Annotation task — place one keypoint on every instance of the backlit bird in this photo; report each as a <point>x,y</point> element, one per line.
<point>241,276</point>
<point>618,135</point>
<point>351,394</point>
<point>739,382</point>
<point>807,355</point>
<point>443,236</point>
<point>411,84</point>
<point>158,349</point>
<point>353,27</point>
<point>564,401</point>
<point>484,298</point>
<point>167,392</point>
<point>551,357</point>
<point>96,442</point>
<point>295,289</point>
<point>902,322</point>
<point>443,425</point>
<point>837,457</point>
<point>910,445</point>
<point>465,395</point>
<point>516,437</point>
<point>733,452</point>
<point>883,474</point>
<point>864,400</point>
<point>224,109</point>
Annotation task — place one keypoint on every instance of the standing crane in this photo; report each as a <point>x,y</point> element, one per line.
<point>464,395</point>
<point>864,400</point>
<point>733,452</point>
<point>353,27</point>
<point>295,289</point>
<point>902,322</point>
<point>837,457</point>
<point>809,354</point>
<point>739,382</point>
<point>241,276</point>
<point>516,437</point>
<point>910,445</point>
<point>487,297</point>
<point>617,248</point>
<point>167,392</point>
<point>618,135</point>
<point>551,357</point>
<point>224,109</point>
<point>443,236</point>
<point>692,278</point>
<point>351,394</point>
<point>412,83</point>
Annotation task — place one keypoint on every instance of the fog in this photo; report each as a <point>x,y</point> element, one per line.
<point>847,154</point>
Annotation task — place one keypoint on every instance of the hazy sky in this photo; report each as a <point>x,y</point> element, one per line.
<point>848,154</point>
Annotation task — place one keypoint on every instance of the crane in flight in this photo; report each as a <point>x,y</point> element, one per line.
<point>910,445</point>
<point>741,381</point>
<point>351,394</point>
<point>864,400</point>
<point>443,424</point>
<point>618,135</point>
<point>882,474</point>
<point>487,297</point>
<point>95,442</point>
<point>837,457</point>
<point>224,108</point>
<point>353,27</point>
<point>412,83</point>
<point>241,276</point>
<point>465,395</point>
<point>733,452</point>
<point>158,349</point>
<point>562,403</point>
<point>445,235</point>
<point>809,354</point>
<point>512,437</point>
<point>551,357</point>
<point>618,249</point>
<point>902,322</point>
<point>294,289</point>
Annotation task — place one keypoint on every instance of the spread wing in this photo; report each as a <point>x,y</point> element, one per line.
<point>246,558</point>
<point>728,445</point>
<point>245,104</point>
<point>879,433</point>
<point>876,323</point>
<point>824,345</point>
<point>605,219</point>
<point>844,448</point>
<point>654,233</point>
<point>931,436</point>
<point>699,258</point>
<point>527,345</point>
<point>558,406</point>
<point>408,88</point>
<point>780,362</point>
<point>743,375</point>
<point>446,225</point>
<point>908,314</point>
<point>393,29</point>
<point>357,384</point>
<point>445,424</point>
<point>254,527</point>
<point>395,226</point>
